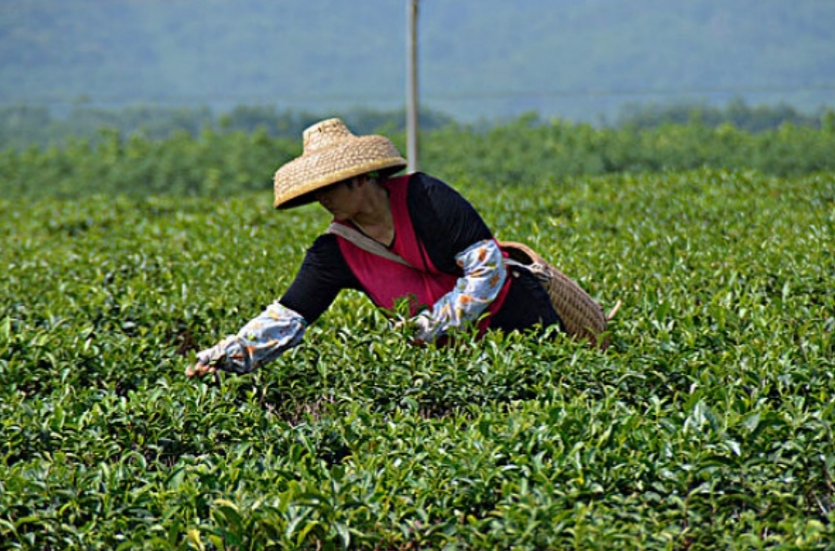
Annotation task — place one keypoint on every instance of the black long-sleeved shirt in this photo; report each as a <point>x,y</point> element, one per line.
<point>446,224</point>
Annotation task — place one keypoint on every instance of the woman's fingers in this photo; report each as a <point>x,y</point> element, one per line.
<point>199,369</point>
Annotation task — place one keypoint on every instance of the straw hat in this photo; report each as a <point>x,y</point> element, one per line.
<point>331,154</point>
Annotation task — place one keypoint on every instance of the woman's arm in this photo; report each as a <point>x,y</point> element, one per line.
<point>458,242</point>
<point>260,341</point>
<point>282,325</point>
<point>484,275</point>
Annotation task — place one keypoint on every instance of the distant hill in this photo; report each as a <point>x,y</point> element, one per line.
<point>579,59</point>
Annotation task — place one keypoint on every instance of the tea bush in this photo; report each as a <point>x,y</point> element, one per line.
<point>707,424</point>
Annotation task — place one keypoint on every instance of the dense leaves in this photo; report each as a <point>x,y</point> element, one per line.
<point>527,150</point>
<point>706,425</point>
<point>25,126</point>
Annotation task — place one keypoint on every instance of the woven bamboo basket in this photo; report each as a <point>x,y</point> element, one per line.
<point>582,317</point>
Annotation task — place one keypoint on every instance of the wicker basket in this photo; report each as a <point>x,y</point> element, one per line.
<point>582,317</point>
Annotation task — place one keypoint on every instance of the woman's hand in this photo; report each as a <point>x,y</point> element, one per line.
<point>411,330</point>
<point>200,369</point>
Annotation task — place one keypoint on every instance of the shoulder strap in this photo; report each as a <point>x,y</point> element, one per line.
<point>364,242</point>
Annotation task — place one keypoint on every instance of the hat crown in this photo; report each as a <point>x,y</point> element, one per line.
<point>325,134</point>
<point>331,154</point>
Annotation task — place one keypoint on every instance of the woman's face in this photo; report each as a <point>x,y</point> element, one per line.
<point>342,200</point>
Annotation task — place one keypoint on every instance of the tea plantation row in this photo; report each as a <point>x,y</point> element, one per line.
<point>707,424</point>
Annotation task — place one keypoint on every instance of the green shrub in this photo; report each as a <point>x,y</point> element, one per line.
<point>707,424</point>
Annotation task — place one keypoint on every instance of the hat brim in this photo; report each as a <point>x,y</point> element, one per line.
<point>297,181</point>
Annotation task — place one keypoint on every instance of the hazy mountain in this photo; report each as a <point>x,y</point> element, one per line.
<point>478,58</point>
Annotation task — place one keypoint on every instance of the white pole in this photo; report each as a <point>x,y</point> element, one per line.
<point>412,88</point>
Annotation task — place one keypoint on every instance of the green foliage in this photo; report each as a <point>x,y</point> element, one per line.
<point>212,164</point>
<point>706,425</point>
<point>529,150</point>
<point>525,151</point>
<point>736,114</point>
<point>26,126</point>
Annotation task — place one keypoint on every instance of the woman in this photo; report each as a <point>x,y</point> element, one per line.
<point>411,237</point>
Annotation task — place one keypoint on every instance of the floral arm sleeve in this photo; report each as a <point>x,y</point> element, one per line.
<point>259,342</point>
<point>484,275</point>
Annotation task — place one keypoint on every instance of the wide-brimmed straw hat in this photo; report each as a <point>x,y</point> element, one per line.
<point>331,154</point>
